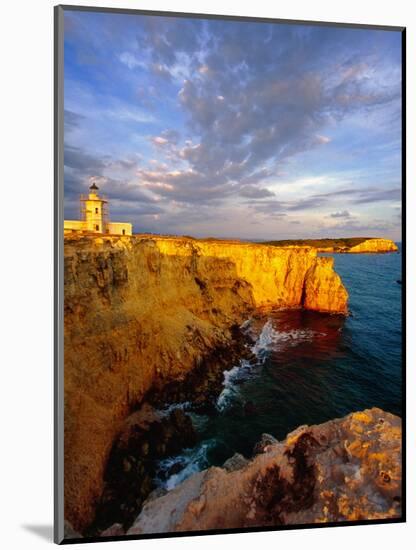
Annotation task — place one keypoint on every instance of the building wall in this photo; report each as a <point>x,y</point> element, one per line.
<point>116,228</point>
<point>94,222</point>
<point>94,214</point>
<point>73,225</point>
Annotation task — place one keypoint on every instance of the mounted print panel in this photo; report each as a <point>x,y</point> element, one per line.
<point>229,269</point>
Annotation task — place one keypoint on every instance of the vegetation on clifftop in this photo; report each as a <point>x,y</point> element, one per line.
<point>321,243</point>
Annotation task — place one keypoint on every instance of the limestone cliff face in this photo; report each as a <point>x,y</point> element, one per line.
<point>374,246</point>
<point>323,288</point>
<point>343,470</point>
<point>143,311</point>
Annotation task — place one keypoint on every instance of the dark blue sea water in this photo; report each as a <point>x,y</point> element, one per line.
<point>310,368</point>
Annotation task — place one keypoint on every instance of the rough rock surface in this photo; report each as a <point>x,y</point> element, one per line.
<point>144,311</point>
<point>147,436</point>
<point>235,462</point>
<point>323,290</point>
<point>343,470</point>
<point>266,441</point>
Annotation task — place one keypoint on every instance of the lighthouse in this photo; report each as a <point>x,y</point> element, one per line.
<point>94,211</point>
<point>95,218</point>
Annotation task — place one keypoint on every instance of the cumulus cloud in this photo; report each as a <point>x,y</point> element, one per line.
<point>248,105</point>
<point>159,140</point>
<point>71,120</point>
<point>367,195</point>
<point>378,195</point>
<point>81,169</point>
<point>79,160</point>
<point>232,113</point>
<point>167,137</point>
<point>252,191</point>
<point>131,61</point>
<point>340,214</point>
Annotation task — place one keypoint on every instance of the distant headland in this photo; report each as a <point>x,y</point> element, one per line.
<point>352,245</point>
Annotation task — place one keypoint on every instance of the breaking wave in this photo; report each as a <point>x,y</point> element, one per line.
<point>174,470</point>
<point>271,339</point>
<point>268,340</point>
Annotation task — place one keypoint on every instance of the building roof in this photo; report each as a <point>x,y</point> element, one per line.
<point>93,187</point>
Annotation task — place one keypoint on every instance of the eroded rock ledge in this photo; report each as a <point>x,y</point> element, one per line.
<point>142,312</point>
<point>343,470</point>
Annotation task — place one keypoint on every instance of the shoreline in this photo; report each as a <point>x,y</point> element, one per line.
<point>198,393</point>
<point>355,245</point>
<point>112,264</point>
<point>294,481</point>
<point>345,469</point>
<point>142,312</point>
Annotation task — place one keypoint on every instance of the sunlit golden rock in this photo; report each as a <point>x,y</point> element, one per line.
<point>323,288</point>
<point>341,245</point>
<point>143,311</point>
<point>374,246</point>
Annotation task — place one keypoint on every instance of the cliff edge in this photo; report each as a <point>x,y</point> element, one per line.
<point>143,311</point>
<point>374,246</point>
<point>343,470</point>
<point>351,245</point>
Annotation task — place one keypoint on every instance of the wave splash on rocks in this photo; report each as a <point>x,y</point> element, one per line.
<point>174,470</point>
<point>269,339</point>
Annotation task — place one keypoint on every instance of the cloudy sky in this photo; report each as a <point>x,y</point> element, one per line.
<point>234,129</point>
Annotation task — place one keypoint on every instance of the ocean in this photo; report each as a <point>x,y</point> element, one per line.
<point>309,368</point>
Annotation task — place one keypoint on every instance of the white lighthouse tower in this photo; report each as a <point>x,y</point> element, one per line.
<point>94,212</point>
<point>94,217</point>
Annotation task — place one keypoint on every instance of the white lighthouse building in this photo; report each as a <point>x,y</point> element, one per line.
<point>94,217</point>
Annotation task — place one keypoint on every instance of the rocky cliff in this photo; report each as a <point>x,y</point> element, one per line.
<point>144,311</point>
<point>374,246</point>
<point>323,288</point>
<point>343,470</point>
<point>353,245</point>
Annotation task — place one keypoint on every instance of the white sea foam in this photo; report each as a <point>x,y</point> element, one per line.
<point>188,463</point>
<point>271,339</point>
<point>244,326</point>
<point>196,459</point>
<point>184,406</point>
<point>230,377</point>
<point>268,340</point>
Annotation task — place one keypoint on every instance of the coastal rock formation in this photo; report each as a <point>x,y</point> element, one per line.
<point>353,245</point>
<point>373,246</point>
<point>141,312</point>
<point>323,289</point>
<point>148,435</point>
<point>343,470</point>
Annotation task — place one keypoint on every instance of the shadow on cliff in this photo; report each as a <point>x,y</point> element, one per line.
<point>134,322</point>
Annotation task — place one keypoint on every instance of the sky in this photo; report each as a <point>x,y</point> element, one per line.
<point>232,128</point>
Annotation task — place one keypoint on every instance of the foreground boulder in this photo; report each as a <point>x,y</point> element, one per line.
<point>343,470</point>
